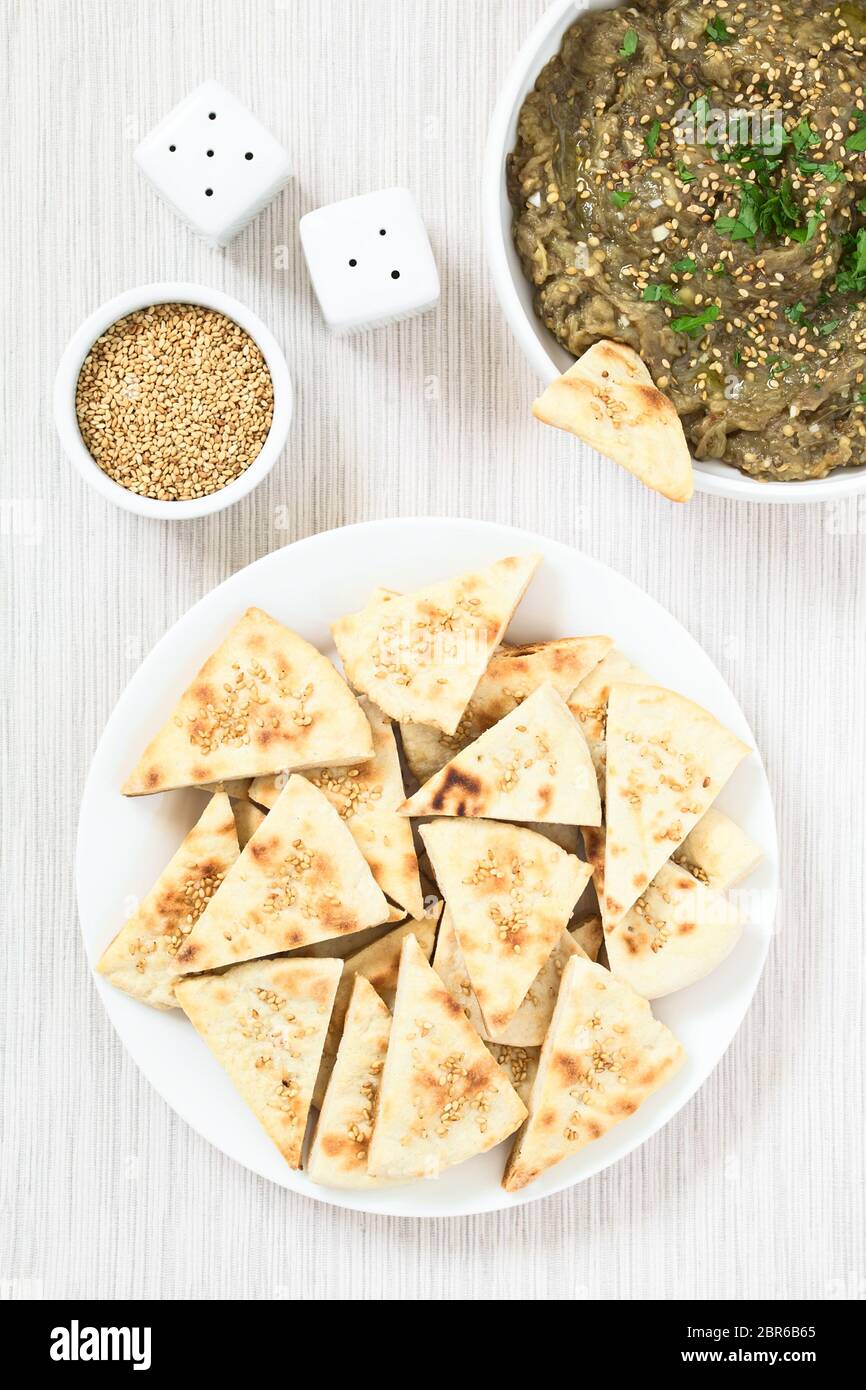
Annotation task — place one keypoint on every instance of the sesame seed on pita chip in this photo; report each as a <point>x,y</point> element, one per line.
<point>442,1098</point>
<point>419,656</point>
<point>264,700</point>
<point>603,1055</point>
<point>265,1024</point>
<point>608,399</point>
<point>511,893</point>
<point>142,958</point>
<point>534,765</point>
<point>300,879</point>
<point>667,761</point>
<point>512,674</point>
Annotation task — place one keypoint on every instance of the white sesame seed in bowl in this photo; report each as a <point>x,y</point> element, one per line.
<point>173,401</point>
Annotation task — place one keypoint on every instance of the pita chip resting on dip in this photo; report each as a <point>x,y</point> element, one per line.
<point>608,399</point>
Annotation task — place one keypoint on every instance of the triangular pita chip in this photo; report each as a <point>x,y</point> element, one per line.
<point>420,656</point>
<point>608,400</point>
<point>142,958</point>
<point>338,1152</point>
<point>513,673</point>
<point>520,1065</point>
<point>588,935</point>
<point>264,700</point>
<point>667,760</point>
<point>442,1098</point>
<point>529,1025</point>
<point>717,852</point>
<point>604,1054</point>
<point>511,893</point>
<point>265,1023</point>
<point>533,765</point>
<point>300,879</point>
<point>379,963</point>
<point>588,703</point>
<point>366,796</point>
<point>248,818</point>
<point>676,933</point>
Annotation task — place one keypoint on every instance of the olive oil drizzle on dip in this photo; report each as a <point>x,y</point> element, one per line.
<point>690,179</point>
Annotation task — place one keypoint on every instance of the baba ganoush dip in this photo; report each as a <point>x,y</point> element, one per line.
<point>690,179</point>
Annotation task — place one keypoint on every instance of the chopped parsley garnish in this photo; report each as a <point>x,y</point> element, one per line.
<point>651,138</point>
<point>768,209</point>
<point>813,222</point>
<point>685,265</point>
<point>857,142</point>
<point>685,172</point>
<point>851,273</point>
<point>862,395</point>
<point>653,293</point>
<point>629,44</point>
<point>829,327</point>
<point>797,313</point>
<point>694,324</point>
<point>861,206</point>
<point>718,31</point>
<point>620,196</point>
<point>803,136</point>
<point>738,357</point>
<point>778,365</point>
<point>831,172</point>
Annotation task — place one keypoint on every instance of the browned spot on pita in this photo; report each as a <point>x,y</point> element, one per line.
<point>455,779</point>
<point>265,736</point>
<point>261,849</point>
<point>188,953</point>
<point>204,694</point>
<point>640,881</point>
<point>545,797</point>
<point>153,776</point>
<point>334,1146</point>
<point>686,927</point>
<point>595,1129</point>
<point>568,1065</point>
<point>547,1119</point>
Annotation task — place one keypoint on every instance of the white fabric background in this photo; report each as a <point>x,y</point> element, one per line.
<point>757,1187</point>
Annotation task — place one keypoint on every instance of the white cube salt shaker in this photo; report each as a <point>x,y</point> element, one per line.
<point>214,162</point>
<point>370,260</point>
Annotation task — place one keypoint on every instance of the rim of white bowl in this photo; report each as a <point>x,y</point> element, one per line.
<point>711,476</point>
<point>142,297</point>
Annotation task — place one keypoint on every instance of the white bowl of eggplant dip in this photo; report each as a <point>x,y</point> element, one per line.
<point>689,179</point>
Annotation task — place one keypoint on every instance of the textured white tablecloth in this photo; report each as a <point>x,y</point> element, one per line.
<point>757,1187</point>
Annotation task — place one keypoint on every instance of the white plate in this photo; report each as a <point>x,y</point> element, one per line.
<point>545,355</point>
<point>123,845</point>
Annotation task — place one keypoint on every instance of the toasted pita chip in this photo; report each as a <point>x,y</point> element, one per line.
<point>338,1152</point>
<point>608,400</point>
<point>366,797</point>
<point>379,963</point>
<point>248,818</point>
<point>512,675</point>
<point>677,932</point>
<point>300,879</point>
<point>717,852</point>
<point>529,1025</point>
<point>142,958</point>
<point>667,760</point>
<point>265,1023</point>
<point>533,765</point>
<point>520,1065</point>
<point>604,1054</point>
<point>588,935</point>
<point>588,703</point>
<point>266,699</point>
<point>420,656</point>
<point>511,893</point>
<point>442,1098</point>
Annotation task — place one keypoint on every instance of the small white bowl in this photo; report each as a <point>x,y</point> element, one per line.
<point>545,355</point>
<point>143,297</point>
